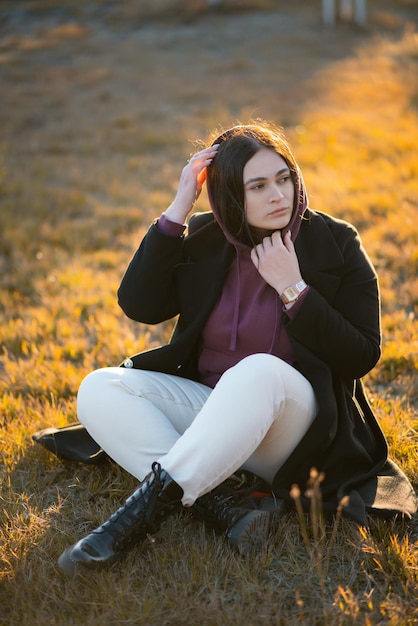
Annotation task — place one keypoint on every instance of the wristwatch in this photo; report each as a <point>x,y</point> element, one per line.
<point>292,293</point>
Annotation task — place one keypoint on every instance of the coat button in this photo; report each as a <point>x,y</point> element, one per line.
<point>128,363</point>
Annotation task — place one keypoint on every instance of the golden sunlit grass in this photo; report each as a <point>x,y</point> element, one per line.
<point>98,113</point>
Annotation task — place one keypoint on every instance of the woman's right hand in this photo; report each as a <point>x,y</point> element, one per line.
<point>190,185</point>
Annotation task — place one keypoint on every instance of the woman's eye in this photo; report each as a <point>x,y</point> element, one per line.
<point>258,186</point>
<point>284,179</point>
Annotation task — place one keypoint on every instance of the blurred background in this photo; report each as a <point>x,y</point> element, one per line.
<point>101,104</point>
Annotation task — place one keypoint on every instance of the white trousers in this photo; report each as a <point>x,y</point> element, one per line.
<point>253,419</point>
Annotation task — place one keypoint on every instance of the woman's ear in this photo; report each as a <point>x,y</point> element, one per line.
<point>202,177</point>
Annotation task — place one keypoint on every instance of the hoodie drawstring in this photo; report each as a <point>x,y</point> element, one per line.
<point>236,311</point>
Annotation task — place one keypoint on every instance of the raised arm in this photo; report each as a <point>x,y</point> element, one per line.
<point>147,292</point>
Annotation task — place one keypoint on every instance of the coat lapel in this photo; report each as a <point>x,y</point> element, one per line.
<point>320,258</point>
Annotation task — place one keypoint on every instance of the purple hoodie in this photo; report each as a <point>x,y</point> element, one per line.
<point>248,317</point>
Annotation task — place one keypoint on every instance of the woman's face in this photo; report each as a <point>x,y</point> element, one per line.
<point>269,191</point>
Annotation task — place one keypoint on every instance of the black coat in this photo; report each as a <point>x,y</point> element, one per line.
<point>335,336</point>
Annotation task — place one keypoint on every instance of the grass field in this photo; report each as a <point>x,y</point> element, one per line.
<point>101,104</point>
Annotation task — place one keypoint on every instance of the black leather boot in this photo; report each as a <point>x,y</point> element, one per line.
<point>246,522</point>
<point>157,497</point>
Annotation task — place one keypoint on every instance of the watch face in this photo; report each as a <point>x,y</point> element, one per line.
<point>290,293</point>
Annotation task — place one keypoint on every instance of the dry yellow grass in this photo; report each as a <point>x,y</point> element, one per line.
<point>100,105</point>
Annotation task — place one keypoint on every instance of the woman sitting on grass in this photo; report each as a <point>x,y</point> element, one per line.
<point>279,318</point>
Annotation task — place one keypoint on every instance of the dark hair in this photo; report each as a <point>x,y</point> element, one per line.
<point>225,174</point>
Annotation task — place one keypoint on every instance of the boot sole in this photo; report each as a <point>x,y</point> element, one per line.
<point>71,568</point>
<point>251,532</point>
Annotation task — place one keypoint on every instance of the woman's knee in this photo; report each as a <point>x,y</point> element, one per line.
<point>261,366</point>
<point>92,389</point>
<point>95,381</point>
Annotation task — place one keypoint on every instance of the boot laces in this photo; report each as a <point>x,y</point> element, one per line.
<point>139,508</point>
<point>227,508</point>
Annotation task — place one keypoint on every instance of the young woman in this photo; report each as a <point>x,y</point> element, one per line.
<point>278,320</point>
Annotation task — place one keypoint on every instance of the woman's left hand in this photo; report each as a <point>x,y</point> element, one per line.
<point>276,260</point>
